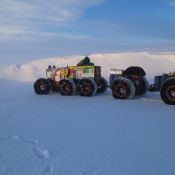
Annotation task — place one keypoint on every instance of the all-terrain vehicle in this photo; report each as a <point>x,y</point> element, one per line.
<point>84,79</point>
<point>166,85</point>
<point>127,83</point>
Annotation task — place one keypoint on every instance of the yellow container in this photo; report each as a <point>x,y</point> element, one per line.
<point>64,72</point>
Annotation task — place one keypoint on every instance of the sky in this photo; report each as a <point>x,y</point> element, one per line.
<point>33,29</point>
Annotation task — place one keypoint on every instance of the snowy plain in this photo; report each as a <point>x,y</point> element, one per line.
<point>58,135</point>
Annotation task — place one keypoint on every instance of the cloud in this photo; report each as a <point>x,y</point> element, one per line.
<point>172,3</point>
<point>32,14</point>
<point>11,29</point>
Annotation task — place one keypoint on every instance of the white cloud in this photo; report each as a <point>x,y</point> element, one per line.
<point>172,2</point>
<point>11,29</point>
<point>17,33</point>
<point>31,20</point>
<point>30,12</point>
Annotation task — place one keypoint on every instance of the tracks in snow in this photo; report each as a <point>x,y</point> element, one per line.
<point>38,150</point>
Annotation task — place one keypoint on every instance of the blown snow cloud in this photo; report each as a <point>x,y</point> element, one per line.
<point>161,62</point>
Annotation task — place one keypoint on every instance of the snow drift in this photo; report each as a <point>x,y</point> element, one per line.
<point>153,63</point>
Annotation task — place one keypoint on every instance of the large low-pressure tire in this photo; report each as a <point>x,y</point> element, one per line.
<point>123,88</point>
<point>67,87</point>
<point>140,86</point>
<point>102,85</point>
<point>42,86</point>
<point>167,91</point>
<point>134,70</point>
<point>86,87</point>
<point>137,76</point>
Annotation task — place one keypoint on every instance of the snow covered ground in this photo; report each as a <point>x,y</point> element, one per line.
<point>58,135</point>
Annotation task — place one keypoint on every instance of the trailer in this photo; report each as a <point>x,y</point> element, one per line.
<point>165,84</point>
<point>125,84</point>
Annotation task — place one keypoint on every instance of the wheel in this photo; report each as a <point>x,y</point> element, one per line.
<point>134,70</point>
<point>67,87</point>
<point>140,84</point>
<point>137,76</point>
<point>86,87</point>
<point>167,91</point>
<point>42,86</point>
<point>123,88</point>
<point>102,85</point>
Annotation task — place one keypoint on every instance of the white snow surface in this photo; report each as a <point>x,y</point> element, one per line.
<point>153,63</point>
<point>59,135</point>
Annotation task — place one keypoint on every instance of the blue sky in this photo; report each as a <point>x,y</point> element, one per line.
<point>33,29</point>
